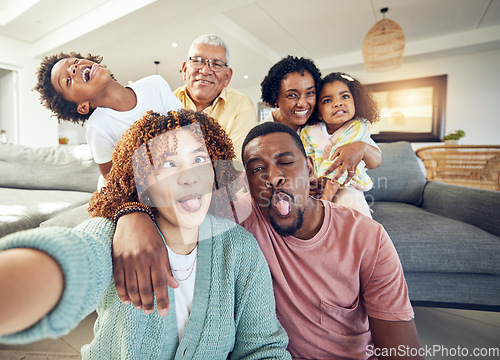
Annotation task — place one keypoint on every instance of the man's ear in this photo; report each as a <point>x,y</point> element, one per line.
<point>229,75</point>
<point>183,70</point>
<point>83,108</point>
<point>310,167</point>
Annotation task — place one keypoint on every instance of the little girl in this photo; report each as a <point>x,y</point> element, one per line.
<point>345,110</point>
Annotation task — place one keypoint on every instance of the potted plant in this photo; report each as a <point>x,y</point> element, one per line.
<point>454,138</point>
<point>63,141</point>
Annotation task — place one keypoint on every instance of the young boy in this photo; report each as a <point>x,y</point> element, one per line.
<point>78,89</point>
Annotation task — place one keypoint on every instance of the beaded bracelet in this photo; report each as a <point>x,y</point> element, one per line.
<point>132,207</point>
<point>132,203</point>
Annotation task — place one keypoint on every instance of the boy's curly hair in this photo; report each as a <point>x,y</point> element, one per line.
<point>366,107</point>
<point>53,100</point>
<point>121,185</point>
<point>270,86</point>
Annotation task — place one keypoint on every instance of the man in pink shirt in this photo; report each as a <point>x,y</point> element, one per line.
<point>338,282</point>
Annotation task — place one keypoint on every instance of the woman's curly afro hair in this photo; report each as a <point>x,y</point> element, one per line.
<point>121,185</point>
<point>366,107</point>
<point>270,86</point>
<point>50,98</point>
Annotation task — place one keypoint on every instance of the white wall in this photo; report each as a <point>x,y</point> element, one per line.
<point>473,91</point>
<point>36,126</point>
<point>75,133</point>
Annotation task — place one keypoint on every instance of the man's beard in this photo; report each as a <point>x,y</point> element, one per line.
<point>290,230</point>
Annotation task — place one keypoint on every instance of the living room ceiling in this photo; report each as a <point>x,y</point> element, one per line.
<point>132,34</point>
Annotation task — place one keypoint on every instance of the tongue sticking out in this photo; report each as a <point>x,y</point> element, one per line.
<point>283,207</point>
<point>93,70</point>
<point>191,205</point>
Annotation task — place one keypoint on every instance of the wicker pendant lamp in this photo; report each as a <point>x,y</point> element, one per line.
<point>384,45</point>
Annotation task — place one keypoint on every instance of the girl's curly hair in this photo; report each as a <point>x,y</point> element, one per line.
<point>121,185</point>
<point>270,86</point>
<point>53,100</point>
<point>366,107</point>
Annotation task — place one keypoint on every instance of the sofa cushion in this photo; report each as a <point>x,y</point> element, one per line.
<point>399,178</point>
<point>473,206</point>
<point>48,168</point>
<point>70,218</point>
<point>454,288</point>
<point>22,209</point>
<point>428,242</point>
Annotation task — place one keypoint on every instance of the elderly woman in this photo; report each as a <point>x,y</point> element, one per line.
<point>224,305</point>
<point>291,87</point>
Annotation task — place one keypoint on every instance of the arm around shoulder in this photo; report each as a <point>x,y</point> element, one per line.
<point>372,157</point>
<point>140,257</point>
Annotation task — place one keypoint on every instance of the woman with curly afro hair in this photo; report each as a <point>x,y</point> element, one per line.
<point>79,89</point>
<point>223,306</point>
<point>129,179</point>
<point>292,86</point>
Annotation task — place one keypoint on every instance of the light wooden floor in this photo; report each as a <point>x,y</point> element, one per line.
<point>458,331</point>
<point>69,344</point>
<point>439,329</point>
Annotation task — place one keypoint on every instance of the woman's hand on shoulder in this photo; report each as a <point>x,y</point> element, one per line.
<point>140,264</point>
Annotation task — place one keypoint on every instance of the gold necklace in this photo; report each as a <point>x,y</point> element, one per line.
<point>190,268</point>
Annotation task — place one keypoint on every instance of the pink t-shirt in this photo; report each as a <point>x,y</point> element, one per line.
<point>327,286</point>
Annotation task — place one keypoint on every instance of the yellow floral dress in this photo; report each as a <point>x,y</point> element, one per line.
<point>321,146</point>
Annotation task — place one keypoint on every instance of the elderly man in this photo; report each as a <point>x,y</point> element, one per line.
<point>338,282</point>
<point>207,75</point>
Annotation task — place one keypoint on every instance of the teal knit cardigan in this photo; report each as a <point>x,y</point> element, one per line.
<point>233,313</point>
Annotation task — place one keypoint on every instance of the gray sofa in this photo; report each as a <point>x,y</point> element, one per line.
<point>447,236</point>
<point>38,184</point>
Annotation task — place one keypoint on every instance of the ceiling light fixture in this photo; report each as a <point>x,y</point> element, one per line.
<point>384,45</point>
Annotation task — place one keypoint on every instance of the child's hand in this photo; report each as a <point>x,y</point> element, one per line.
<point>331,188</point>
<point>347,158</point>
<point>140,264</point>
